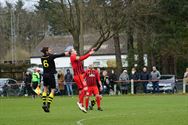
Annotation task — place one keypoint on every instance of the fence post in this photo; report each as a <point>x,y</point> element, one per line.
<point>132,86</point>
<point>184,88</point>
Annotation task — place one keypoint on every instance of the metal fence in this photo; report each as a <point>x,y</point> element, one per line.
<point>128,85</point>
<point>181,88</point>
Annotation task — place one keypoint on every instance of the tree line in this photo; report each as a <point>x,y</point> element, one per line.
<point>156,28</point>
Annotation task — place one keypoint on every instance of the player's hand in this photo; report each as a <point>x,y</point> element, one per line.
<point>85,88</point>
<point>66,53</point>
<point>101,88</point>
<point>92,51</point>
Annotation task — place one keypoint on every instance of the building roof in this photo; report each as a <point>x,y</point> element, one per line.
<point>59,43</point>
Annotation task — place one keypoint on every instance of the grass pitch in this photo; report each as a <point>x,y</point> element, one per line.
<point>118,110</point>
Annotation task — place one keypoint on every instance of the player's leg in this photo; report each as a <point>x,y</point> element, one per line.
<point>50,98</point>
<point>44,97</point>
<point>81,93</point>
<point>92,103</point>
<point>79,86</point>
<point>45,89</point>
<point>52,93</point>
<point>81,101</point>
<point>88,94</point>
<point>98,98</point>
<point>87,102</point>
<point>81,96</point>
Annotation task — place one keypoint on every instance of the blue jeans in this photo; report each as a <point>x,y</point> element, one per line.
<point>155,87</point>
<point>69,89</point>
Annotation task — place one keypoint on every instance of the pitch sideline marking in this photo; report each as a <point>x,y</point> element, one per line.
<point>122,115</point>
<point>82,120</point>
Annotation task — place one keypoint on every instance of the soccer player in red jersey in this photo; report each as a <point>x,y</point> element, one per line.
<point>92,78</point>
<point>78,70</point>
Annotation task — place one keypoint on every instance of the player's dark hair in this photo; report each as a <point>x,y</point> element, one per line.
<point>70,51</point>
<point>44,50</point>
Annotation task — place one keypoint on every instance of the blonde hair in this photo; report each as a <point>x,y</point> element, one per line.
<point>186,69</point>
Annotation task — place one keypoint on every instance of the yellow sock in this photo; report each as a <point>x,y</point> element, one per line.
<point>50,98</point>
<point>44,95</point>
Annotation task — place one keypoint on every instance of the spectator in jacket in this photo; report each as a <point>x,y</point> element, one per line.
<point>68,82</point>
<point>185,79</point>
<point>124,85</point>
<point>105,82</point>
<point>134,76</point>
<point>155,76</point>
<point>60,81</point>
<point>27,84</point>
<point>145,76</point>
<point>113,84</point>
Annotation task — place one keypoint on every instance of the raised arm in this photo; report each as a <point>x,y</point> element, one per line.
<point>60,55</point>
<point>81,58</point>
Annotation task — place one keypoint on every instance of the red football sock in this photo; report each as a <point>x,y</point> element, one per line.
<point>81,96</point>
<point>98,99</point>
<point>87,102</point>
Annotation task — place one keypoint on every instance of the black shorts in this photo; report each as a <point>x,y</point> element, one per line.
<point>34,85</point>
<point>49,80</point>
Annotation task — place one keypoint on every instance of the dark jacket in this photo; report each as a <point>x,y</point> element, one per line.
<point>27,79</point>
<point>144,75</point>
<point>134,76</point>
<point>112,78</point>
<point>105,80</point>
<point>68,77</point>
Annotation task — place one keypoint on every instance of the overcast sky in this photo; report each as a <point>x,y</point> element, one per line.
<point>28,4</point>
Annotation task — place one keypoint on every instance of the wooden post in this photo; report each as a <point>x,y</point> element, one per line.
<point>132,86</point>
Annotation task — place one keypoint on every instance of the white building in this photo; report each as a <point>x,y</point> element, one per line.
<point>102,58</point>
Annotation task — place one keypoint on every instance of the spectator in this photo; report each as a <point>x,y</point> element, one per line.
<point>134,76</point>
<point>68,82</point>
<point>105,82</point>
<point>35,81</point>
<point>60,77</point>
<point>185,79</point>
<point>155,76</point>
<point>124,85</point>
<point>113,84</point>
<point>145,76</point>
<point>27,83</point>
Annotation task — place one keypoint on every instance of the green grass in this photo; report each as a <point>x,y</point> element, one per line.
<point>118,110</point>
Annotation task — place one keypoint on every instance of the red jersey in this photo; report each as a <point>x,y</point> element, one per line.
<point>77,65</point>
<point>92,77</point>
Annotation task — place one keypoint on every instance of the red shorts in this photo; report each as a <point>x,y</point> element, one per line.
<point>92,90</point>
<point>79,79</point>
